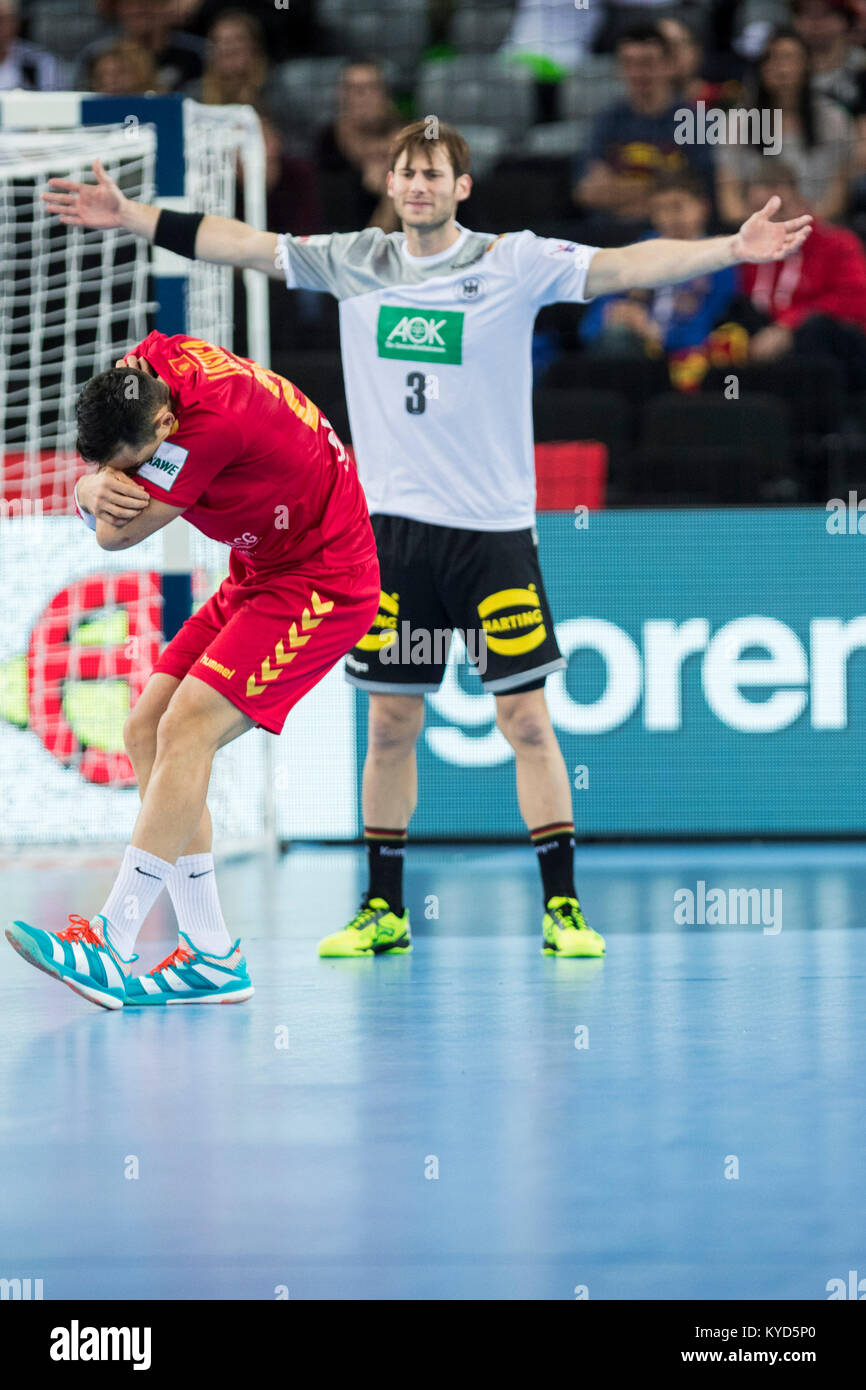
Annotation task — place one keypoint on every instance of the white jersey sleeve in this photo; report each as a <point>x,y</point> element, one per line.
<point>552,271</point>
<point>336,263</point>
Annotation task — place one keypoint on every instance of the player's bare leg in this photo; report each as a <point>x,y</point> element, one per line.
<point>197,722</point>
<point>192,886</point>
<point>388,798</point>
<point>544,797</point>
<point>139,739</point>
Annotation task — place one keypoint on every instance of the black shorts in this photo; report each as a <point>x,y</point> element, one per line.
<point>440,579</point>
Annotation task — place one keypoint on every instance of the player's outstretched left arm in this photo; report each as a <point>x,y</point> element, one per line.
<point>648,264</point>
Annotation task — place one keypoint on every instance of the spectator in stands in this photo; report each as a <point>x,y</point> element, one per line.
<point>179,57</point>
<point>236,66</point>
<point>633,142</point>
<point>815,303</point>
<point>290,185</point>
<point>352,152</point>
<point>837,64</point>
<point>23,64</point>
<point>552,34</point>
<point>676,320</point>
<point>124,69</point>
<point>817,136</point>
<point>687,66</point>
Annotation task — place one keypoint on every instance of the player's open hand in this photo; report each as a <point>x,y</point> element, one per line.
<point>99,204</point>
<point>759,239</point>
<point>112,496</point>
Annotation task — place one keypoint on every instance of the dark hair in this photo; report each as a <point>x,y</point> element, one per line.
<point>846,8</point>
<point>806,99</point>
<point>419,136</point>
<point>679,181</point>
<point>643,33</point>
<point>115,408</point>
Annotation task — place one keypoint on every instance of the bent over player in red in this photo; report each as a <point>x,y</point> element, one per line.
<point>181,427</point>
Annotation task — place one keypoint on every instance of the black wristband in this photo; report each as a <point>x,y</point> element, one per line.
<point>176,231</point>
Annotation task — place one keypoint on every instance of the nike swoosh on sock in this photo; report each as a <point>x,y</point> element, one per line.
<point>146,874</point>
<point>202,874</point>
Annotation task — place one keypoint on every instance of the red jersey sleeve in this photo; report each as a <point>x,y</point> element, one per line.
<point>188,460</point>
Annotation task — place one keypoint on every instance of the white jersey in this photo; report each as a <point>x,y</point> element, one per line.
<point>438,366</point>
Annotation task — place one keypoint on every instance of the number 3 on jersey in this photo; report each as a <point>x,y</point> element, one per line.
<point>423,389</point>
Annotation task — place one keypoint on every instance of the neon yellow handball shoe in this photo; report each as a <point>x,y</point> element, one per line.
<point>566,933</point>
<point>374,931</point>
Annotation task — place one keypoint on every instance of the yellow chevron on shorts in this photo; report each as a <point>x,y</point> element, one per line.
<point>281,657</point>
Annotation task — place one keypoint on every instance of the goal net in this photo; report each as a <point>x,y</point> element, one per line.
<point>81,626</point>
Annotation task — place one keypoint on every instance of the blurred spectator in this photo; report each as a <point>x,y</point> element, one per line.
<point>621,16</point>
<point>124,69</point>
<point>290,185</point>
<point>687,66</point>
<point>676,320</point>
<point>553,36</point>
<point>814,303</point>
<point>236,64</point>
<point>352,152</point>
<point>633,142</point>
<point>290,27</point>
<point>23,64</point>
<point>816,134</point>
<point>836,62</point>
<point>179,57</point>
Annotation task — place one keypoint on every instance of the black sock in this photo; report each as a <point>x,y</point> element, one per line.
<point>554,845</point>
<point>386,850</point>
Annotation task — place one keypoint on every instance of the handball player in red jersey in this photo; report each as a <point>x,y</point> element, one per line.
<point>182,428</point>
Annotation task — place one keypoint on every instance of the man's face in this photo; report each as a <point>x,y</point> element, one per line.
<point>142,18</point>
<point>232,50</point>
<point>678,214</point>
<point>645,69</point>
<point>820,25</point>
<point>129,457</point>
<point>362,94</point>
<point>424,189</point>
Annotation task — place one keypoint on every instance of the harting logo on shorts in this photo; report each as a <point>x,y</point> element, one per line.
<point>422,335</point>
<point>76,1343</point>
<point>512,633</point>
<point>384,629</point>
<point>217,666</point>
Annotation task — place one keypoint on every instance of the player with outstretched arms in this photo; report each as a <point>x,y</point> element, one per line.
<point>183,428</point>
<point>436,326</point>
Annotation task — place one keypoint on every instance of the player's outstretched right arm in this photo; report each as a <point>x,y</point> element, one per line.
<point>223,240</point>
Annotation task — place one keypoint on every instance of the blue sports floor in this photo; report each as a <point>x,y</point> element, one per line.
<point>431,1129</point>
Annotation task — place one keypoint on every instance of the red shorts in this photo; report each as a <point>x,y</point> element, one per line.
<point>264,640</point>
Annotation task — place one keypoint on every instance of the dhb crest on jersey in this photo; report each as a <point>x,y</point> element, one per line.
<point>471,287</point>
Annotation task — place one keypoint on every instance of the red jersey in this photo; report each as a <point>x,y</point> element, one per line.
<point>253,462</point>
<point>826,276</point>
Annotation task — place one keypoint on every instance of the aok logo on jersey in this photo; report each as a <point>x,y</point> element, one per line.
<point>420,335</point>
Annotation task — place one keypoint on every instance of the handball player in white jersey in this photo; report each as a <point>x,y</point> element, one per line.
<point>436,327</point>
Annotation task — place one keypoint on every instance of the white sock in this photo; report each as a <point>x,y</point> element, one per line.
<point>193,891</point>
<point>141,879</point>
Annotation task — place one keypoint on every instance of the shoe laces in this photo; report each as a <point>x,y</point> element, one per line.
<point>362,918</point>
<point>181,955</point>
<point>570,913</point>
<point>80,929</point>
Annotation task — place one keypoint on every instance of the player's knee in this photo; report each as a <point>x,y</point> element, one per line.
<point>139,736</point>
<point>526,726</point>
<point>395,723</point>
<point>180,732</point>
